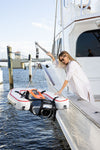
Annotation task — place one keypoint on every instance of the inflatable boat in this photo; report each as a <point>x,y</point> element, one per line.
<point>43,103</point>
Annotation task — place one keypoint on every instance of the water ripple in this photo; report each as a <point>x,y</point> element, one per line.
<point>21,130</point>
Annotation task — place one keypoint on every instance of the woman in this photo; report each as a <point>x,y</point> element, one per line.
<point>78,82</point>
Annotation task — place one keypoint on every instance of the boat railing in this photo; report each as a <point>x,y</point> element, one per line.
<point>83,4</point>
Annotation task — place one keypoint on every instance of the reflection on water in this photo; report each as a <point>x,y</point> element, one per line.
<point>22,129</point>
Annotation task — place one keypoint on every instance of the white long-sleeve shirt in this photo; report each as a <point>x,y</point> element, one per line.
<point>78,82</point>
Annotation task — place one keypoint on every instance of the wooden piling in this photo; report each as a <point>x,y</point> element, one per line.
<point>30,68</point>
<point>37,53</point>
<point>10,68</point>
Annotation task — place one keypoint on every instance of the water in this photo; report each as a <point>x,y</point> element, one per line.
<point>21,129</point>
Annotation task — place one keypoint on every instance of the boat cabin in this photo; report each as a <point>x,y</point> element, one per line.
<point>78,32</point>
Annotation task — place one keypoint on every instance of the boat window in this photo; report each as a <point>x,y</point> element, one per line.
<point>88,44</point>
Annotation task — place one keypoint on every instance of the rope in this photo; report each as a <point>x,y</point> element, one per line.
<point>33,76</point>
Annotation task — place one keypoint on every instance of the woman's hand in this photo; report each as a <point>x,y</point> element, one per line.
<point>64,85</point>
<point>49,54</point>
<point>52,57</point>
<point>59,92</point>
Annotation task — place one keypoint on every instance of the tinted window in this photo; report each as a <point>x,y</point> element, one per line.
<point>88,44</point>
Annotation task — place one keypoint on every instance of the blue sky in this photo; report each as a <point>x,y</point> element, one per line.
<point>22,22</point>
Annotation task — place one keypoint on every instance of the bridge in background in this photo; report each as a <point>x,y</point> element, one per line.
<point>26,60</point>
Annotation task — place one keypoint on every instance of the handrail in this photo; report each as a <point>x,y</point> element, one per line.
<point>82,6</point>
<point>67,2</point>
<point>89,1</point>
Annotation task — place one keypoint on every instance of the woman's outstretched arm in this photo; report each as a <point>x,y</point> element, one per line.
<point>64,85</point>
<point>52,57</point>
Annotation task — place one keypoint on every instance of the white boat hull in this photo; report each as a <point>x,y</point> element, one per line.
<point>17,101</point>
<point>61,102</point>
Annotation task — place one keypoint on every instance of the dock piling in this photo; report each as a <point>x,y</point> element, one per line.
<point>10,68</point>
<point>30,68</point>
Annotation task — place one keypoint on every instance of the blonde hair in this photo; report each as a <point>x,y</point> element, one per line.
<point>69,56</point>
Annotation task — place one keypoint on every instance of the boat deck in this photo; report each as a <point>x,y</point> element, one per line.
<point>89,110</point>
<point>80,124</point>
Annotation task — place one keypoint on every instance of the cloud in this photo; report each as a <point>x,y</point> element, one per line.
<point>42,26</point>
